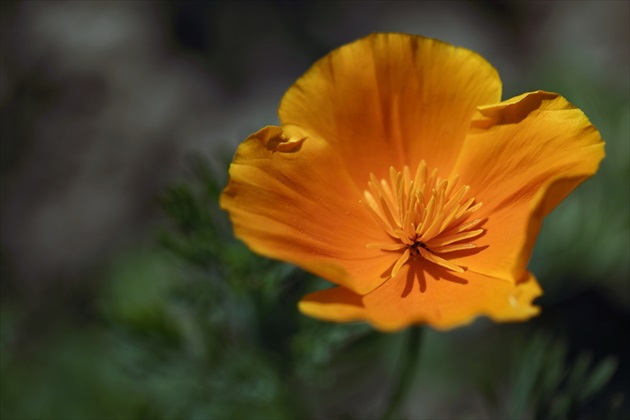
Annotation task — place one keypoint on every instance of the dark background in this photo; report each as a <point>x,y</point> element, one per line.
<point>104,102</point>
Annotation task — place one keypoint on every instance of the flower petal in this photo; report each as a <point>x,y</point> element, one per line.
<point>288,199</point>
<point>430,295</point>
<point>392,100</point>
<point>522,157</point>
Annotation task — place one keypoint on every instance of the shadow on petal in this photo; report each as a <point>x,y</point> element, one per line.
<point>415,272</point>
<point>440,273</point>
<point>422,272</point>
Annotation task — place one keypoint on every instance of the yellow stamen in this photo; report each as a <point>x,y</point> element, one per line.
<point>423,214</point>
<point>402,260</point>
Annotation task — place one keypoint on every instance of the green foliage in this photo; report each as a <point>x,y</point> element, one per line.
<point>543,384</point>
<point>66,378</point>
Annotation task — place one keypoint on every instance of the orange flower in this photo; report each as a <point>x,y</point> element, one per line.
<point>398,175</point>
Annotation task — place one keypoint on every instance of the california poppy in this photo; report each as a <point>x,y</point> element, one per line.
<point>399,175</point>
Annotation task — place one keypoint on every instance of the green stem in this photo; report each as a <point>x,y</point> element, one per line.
<point>410,355</point>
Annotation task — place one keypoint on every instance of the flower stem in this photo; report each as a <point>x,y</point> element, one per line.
<point>410,355</point>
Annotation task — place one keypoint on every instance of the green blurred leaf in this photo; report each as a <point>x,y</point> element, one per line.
<point>559,408</point>
<point>528,368</point>
<point>554,370</point>
<point>545,386</point>
<point>137,294</point>
<point>578,373</point>
<point>598,378</point>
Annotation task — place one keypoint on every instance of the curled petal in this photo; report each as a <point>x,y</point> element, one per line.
<point>522,157</point>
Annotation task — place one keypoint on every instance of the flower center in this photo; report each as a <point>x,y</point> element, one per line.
<point>425,215</point>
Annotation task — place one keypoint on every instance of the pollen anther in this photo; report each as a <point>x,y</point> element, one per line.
<point>423,214</point>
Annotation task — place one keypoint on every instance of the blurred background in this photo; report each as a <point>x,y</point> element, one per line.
<point>123,292</point>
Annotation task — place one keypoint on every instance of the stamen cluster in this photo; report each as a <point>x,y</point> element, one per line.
<point>424,215</point>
